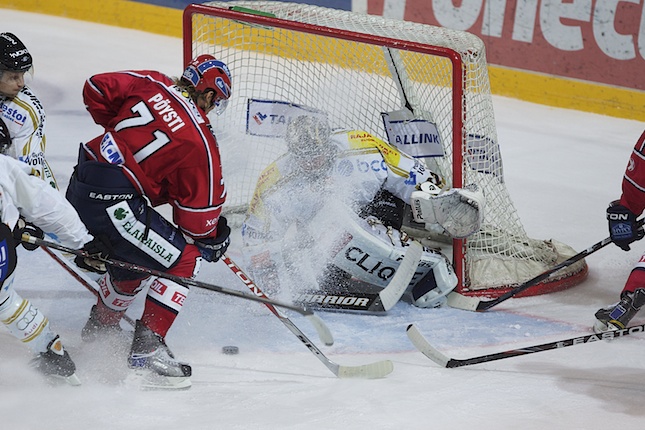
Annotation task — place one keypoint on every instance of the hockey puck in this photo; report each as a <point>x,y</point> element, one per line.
<point>230,350</point>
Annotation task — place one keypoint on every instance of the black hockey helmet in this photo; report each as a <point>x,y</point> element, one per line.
<point>14,55</point>
<point>5,139</point>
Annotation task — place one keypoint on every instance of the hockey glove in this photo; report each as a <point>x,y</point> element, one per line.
<point>98,249</point>
<point>23,227</point>
<point>5,139</point>
<point>212,249</point>
<point>623,227</point>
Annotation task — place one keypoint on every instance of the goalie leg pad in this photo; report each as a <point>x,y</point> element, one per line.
<point>459,211</point>
<point>432,289</point>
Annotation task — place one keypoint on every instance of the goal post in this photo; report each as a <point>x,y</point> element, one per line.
<point>420,87</point>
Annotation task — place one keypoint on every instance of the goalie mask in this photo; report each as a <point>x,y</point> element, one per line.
<point>206,73</point>
<point>309,143</point>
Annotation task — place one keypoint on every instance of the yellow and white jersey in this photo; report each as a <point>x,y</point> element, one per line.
<point>364,164</point>
<point>25,118</point>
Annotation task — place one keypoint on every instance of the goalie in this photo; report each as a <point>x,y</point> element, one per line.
<point>338,199</point>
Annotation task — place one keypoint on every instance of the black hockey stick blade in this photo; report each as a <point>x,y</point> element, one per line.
<point>421,343</point>
<point>461,301</point>
<point>378,301</point>
<point>363,302</point>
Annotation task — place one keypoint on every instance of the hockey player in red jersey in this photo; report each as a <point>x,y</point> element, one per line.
<point>157,148</point>
<point>624,230</point>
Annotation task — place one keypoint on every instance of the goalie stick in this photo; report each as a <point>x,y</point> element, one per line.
<point>460,301</point>
<point>375,370</point>
<point>443,360</point>
<point>369,302</point>
<point>180,280</point>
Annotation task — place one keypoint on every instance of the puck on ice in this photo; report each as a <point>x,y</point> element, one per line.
<point>230,350</point>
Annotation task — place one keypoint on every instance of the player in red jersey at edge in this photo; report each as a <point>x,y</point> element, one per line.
<point>623,230</point>
<point>157,148</point>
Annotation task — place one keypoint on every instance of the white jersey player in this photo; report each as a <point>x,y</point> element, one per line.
<point>27,202</point>
<point>339,198</point>
<point>21,110</point>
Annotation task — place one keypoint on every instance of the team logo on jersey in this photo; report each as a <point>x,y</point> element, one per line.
<point>12,115</point>
<point>110,150</point>
<point>138,234</point>
<point>348,167</point>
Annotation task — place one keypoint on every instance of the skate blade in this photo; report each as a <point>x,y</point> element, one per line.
<point>149,381</point>
<point>61,380</point>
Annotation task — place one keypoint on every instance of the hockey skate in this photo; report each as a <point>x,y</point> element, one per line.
<point>94,329</point>
<point>56,364</point>
<point>617,316</point>
<point>153,361</point>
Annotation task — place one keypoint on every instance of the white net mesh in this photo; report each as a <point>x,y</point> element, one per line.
<point>354,82</point>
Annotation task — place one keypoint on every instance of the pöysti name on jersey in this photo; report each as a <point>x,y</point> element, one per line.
<point>167,113</point>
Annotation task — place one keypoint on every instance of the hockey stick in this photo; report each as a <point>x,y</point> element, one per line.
<point>391,294</point>
<point>180,280</point>
<point>79,275</point>
<point>323,332</point>
<point>369,371</point>
<point>441,359</point>
<point>368,302</point>
<point>460,301</point>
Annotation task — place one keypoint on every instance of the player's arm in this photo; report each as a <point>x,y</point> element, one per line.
<point>458,211</point>
<point>622,213</point>
<point>197,201</point>
<point>43,206</point>
<point>633,188</point>
<point>104,94</point>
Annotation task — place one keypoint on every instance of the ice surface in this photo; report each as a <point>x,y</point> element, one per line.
<point>562,168</point>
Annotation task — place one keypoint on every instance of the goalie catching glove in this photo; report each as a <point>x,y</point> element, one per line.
<point>212,249</point>
<point>459,211</point>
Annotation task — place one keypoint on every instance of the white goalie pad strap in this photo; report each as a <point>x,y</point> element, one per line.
<point>168,293</point>
<point>112,298</point>
<point>459,211</point>
<point>432,291</point>
<point>373,253</point>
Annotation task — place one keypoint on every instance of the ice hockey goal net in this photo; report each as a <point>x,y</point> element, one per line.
<point>379,75</point>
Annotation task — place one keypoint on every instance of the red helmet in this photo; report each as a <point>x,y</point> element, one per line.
<point>208,73</point>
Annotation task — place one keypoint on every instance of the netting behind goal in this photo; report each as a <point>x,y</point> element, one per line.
<point>379,75</point>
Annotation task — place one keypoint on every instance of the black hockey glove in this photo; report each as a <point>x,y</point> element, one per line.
<point>212,249</point>
<point>98,249</point>
<point>5,139</point>
<point>623,227</point>
<point>23,227</point>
